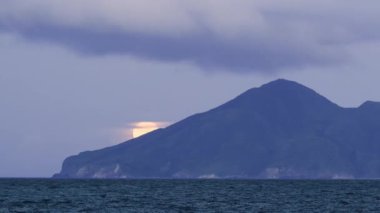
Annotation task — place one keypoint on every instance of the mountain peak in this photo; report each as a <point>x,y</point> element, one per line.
<point>281,93</point>
<point>283,84</point>
<point>370,104</point>
<point>281,81</point>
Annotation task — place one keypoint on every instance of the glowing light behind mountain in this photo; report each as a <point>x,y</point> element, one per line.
<point>144,127</point>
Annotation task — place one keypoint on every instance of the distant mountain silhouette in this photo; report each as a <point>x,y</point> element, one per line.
<point>279,130</point>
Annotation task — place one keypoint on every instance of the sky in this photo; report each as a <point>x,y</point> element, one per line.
<point>80,75</point>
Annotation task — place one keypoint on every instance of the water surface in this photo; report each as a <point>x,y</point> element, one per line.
<point>48,195</point>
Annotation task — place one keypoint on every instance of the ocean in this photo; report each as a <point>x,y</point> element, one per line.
<point>50,195</point>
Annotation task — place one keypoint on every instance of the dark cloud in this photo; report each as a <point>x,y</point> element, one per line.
<point>268,38</point>
<point>204,49</point>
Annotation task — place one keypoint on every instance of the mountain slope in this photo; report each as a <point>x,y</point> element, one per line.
<point>280,130</point>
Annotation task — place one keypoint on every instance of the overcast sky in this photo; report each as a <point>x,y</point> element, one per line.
<point>74,75</point>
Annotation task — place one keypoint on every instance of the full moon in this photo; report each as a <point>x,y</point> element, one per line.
<point>141,128</point>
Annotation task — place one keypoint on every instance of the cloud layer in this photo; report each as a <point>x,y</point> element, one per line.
<point>235,35</point>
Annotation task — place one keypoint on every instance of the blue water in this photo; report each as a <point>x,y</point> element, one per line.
<point>46,195</point>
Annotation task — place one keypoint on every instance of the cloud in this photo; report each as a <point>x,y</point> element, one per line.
<point>240,35</point>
